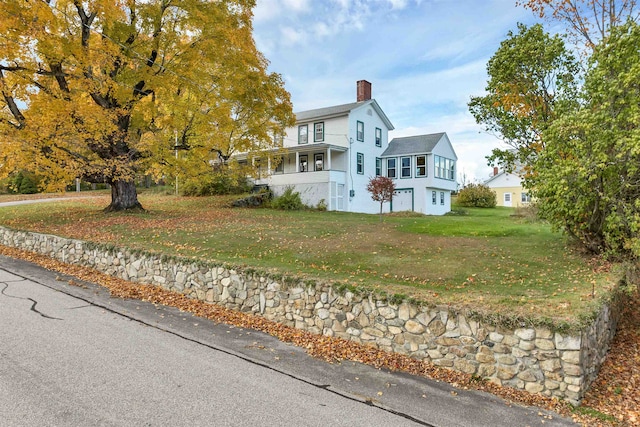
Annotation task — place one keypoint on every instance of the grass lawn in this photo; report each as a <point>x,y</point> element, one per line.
<point>489,259</point>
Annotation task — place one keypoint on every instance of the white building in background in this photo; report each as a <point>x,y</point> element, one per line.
<point>333,152</point>
<point>424,167</point>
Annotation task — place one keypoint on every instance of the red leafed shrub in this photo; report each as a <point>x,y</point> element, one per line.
<point>381,189</point>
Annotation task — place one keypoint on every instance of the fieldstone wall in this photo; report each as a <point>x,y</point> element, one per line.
<point>537,360</point>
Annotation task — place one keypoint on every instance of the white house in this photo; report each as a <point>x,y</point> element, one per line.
<point>333,152</point>
<point>424,167</point>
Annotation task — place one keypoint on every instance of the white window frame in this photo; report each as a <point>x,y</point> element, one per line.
<point>280,166</point>
<point>318,158</point>
<point>442,198</point>
<point>318,132</point>
<point>303,134</point>
<point>423,166</point>
<point>394,168</point>
<point>404,168</point>
<point>444,168</point>
<point>360,131</point>
<point>434,197</point>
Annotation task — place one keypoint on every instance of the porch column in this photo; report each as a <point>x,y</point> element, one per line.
<point>269,166</point>
<point>329,158</point>
<point>297,161</point>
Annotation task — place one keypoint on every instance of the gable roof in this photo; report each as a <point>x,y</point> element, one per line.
<point>418,144</point>
<point>494,177</point>
<point>499,180</point>
<point>505,174</point>
<point>340,110</point>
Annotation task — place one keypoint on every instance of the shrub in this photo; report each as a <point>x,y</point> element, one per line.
<point>218,183</point>
<point>24,183</point>
<point>255,200</point>
<point>322,205</point>
<point>289,201</point>
<point>477,195</point>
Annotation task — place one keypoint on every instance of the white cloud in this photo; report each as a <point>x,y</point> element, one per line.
<point>291,36</point>
<point>398,4</point>
<point>266,10</point>
<point>321,29</point>
<point>296,5</point>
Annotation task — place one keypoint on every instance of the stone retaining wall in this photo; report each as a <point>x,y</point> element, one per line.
<point>538,360</point>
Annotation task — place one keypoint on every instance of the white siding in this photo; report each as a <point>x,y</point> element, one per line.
<point>505,180</point>
<point>361,200</point>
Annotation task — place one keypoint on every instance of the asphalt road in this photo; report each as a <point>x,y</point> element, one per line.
<point>74,356</point>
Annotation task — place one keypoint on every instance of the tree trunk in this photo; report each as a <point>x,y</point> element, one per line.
<point>123,197</point>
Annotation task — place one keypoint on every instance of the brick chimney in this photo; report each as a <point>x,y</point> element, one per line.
<point>495,170</point>
<point>364,90</point>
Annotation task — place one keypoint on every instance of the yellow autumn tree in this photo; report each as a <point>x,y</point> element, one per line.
<point>98,89</point>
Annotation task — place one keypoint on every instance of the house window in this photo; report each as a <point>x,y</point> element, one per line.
<point>507,197</point>
<point>280,165</point>
<point>391,168</point>
<point>303,134</point>
<point>378,166</point>
<point>359,131</point>
<point>444,168</point>
<point>378,137</point>
<point>278,139</point>
<point>304,163</point>
<point>405,167</point>
<point>442,197</point>
<point>318,134</point>
<point>525,198</point>
<point>257,164</point>
<point>360,163</point>
<point>433,198</point>
<point>318,162</point>
<point>421,166</point>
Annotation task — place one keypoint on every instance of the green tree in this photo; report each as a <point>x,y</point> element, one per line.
<point>588,177</point>
<point>99,89</point>
<point>531,77</point>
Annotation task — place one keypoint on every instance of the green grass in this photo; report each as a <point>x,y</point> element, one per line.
<point>594,414</point>
<point>488,259</point>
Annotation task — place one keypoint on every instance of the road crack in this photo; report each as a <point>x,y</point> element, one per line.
<point>34,303</point>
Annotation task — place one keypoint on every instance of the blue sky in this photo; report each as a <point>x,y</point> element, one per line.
<point>424,58</point>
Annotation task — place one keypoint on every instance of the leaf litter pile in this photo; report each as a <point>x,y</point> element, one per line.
<point>613,399</point>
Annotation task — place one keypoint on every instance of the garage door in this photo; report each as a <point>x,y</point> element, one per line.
<point>402,200</point>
